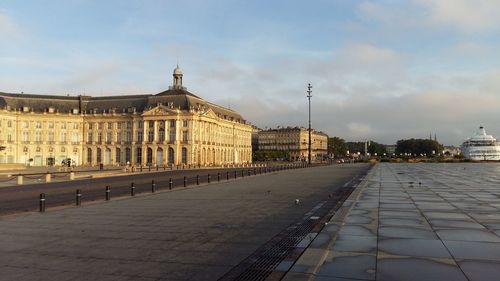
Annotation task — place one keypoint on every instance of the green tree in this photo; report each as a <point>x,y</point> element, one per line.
<point>337,146</point>
<point>418,147</point>
<point>377,148</point>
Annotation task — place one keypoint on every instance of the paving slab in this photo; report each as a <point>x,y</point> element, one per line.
<point>413,222</point>
<point>196,233</point>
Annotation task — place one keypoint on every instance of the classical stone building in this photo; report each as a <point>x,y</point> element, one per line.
<point>172,127</point>
<point>295,141</point>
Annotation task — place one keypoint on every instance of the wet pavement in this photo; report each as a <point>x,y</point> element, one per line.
<point>412,222</point>
<point>197,233</point>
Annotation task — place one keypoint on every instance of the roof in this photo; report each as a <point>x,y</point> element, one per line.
<point>178,98</point>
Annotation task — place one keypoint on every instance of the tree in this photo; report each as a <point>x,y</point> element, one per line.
<point>337,146</point>
<point>377,148</point>
<point>418,147</point>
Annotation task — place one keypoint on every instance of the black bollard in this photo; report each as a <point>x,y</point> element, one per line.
<point>108,193</point>
<point>141,168</point>
<point>208,178</point>
<point>242,174</point>
<point>78,197</point>
<point>153,186</point>
<point>185,181</point>
<point>249,172</point>
<point>235,174</point>
<point>197,180</point>
<point>170,183</point>
<point>254,171</point>
<point>227,175</point>
<point>132,189</point>
<point>218,177</point>
<point>42,202</point>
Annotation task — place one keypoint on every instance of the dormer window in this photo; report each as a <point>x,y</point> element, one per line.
<point>51,110</point>
<point>26,108</point>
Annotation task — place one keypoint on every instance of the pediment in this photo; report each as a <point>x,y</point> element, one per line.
<point>210,113</point>
<point>160,110</point>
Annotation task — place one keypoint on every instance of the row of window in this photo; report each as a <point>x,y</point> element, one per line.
<point>51,149</point>
<point>49,136</point>
<point>42,125</point>
<point>127,137</point>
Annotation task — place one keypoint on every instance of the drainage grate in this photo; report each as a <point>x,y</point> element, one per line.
<point>285,246</point>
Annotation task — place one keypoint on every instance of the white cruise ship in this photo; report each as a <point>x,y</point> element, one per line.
<point>481,147</point>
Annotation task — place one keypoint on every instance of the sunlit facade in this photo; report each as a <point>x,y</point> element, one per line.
<point>170,128</point>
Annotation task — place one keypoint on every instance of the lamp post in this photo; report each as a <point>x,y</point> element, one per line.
<point>309,95</point>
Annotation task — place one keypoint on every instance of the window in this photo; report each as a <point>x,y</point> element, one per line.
<point>90,137</point>
<point>139,136</point>
<point>99,126</point>
<point>108,137</point>
<point>119,136</point>
<point>129,125</point>
<point>151,136</point>
<point>74,137</point>
<point>90,126</point>
<point>9,138</point>
<point>51,125</point>
<point>161,136</point>
<point>63,149</point>
<point>151,124</point>
<point>99,137</point>
<point>119,125</point>
<point>63,136</point>
<point>171,137</point>
<point>63,125</point>
<point>185,136</point>
<point>9,123</point>
<point>185,123</point>
<point>38,136</point>
<point>51,136</point>
<point>26,136</point>
<point>25,124</point>
<point>129,137</point>
<point>75,126</point>
<point>172,123</point>
<point>38,125</point>
<point>25,149</point>
<point>139,124</point>
<point>139,155</point>
<point>110,126</point>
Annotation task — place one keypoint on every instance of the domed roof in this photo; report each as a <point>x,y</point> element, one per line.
<point>177,70</point>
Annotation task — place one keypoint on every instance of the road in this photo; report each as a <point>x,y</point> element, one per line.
<point>25,198</point>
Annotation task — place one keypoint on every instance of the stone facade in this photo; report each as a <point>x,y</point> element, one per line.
<point>172,127</point>
<point>295,141</point>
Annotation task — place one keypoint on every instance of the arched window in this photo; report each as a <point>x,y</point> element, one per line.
<point>184,155</point>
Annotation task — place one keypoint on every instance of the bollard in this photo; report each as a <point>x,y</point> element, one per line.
<point>254,171</point>
<point>132,189</point>
<point>153,185</point>
<point>149,168</point>
<point>48,177</point>
<point>156,167</point>
<point>42,202</point>
<point>78,197</point>
<point>71,176</point>
<point>197,180</point>
<point>108,193</point>
<point>208,178</point>
<point>235,174</point>
<point>227,175</point>
<point>249,172</point>
<point>242,174</point>
<point>218,177</point>
<point>170,183</point>
<point>185,181</point>
<point>141,168</point>
<point>19,180</point>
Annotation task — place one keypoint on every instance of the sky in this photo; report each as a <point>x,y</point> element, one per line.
<point>381,70</point>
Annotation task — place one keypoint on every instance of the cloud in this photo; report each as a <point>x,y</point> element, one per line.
<point>465,15</point>
<point>7,24</point>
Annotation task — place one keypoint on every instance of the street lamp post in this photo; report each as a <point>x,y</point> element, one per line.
<point>309,95</point>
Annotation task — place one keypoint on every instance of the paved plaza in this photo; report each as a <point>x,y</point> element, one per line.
<point>186,234</point>
<point>412,222</point>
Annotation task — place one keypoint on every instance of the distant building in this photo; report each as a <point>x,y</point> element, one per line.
<point>295,141</point>
<point>172,127</point>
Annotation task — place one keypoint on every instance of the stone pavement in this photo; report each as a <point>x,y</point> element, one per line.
<point>412,222</point>
<point>187,234</point>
